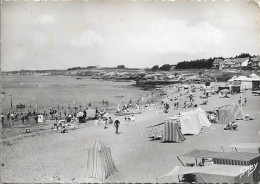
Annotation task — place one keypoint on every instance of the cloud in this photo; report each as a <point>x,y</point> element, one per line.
<point>88,39</point>
<point>44,19</point>
<point>175,36</point>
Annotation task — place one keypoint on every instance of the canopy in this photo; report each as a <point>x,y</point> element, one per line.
<point>200,154</point>
<point>213,173</point>
<point>240,158</point>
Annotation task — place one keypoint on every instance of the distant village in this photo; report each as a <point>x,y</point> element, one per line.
<point>198,71</point>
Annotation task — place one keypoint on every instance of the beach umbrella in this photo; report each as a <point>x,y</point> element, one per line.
<point>80,114</point>
<point>224,90</point>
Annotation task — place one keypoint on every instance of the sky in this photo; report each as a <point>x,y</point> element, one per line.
<point>60,35</point>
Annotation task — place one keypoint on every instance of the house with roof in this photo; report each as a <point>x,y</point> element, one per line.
<point>255,62</point>
<point>217,64</point>
<point>241,62</point>
<point>228,63</point>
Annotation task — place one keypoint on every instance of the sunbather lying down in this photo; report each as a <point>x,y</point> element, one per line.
<point>231,126</point>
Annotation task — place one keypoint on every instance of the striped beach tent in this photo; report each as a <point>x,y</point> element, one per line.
<point>225,116</point>
<point>236,111</point>
<point>168,131</point>
<point>100,163</point>
<point>172,132</point>
<point>240,158</point>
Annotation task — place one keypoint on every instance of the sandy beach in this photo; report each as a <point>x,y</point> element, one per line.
<point>48,156</point>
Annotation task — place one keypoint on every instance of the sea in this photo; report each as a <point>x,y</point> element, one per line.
<point>65,92</point>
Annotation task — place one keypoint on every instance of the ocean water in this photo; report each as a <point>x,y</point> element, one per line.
<point>41,92</point>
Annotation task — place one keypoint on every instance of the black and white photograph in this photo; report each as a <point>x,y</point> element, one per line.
<point>120,91</point>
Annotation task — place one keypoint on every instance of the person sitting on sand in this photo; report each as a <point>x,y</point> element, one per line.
<point>202,162</point>
<point>228,127</point>
<point>247,118</point>
<point>110,121</point>
<point>118,110</point>
<point>234,125</point>
<point>132,118</point>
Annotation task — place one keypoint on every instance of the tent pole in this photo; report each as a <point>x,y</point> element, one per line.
<point>222,148</point>
<point>180,161</point>
<point>236,149</point>
<point>179,178</point>
<point>196,162</point>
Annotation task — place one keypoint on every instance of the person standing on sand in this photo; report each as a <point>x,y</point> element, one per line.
<point>116,123</point>
<point>2,118</point>
<point>56,116</point>
<point>245,100</point>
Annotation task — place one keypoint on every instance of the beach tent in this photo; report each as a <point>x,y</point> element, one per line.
<point>239,158</point>
<point>196,117</point>
<point>236,111</point>
<point>188,127</point>
<point>225,116</point>
<point>91,113</point>
<point>100,163</point>
<point>168,131</point>
<point>213,174</point>
<point>202,115</point>
<point>40,118</point>
<point>230,158</point>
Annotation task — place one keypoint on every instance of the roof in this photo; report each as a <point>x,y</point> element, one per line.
<point>218,61</point>
<point>243,78</point>
<point>257,58</point>
<point>226,170</point>
<point>253,75</point>
<point>241,156</point>
<point>200,154</point>
<point>240,60</point>
<point>229,61</point>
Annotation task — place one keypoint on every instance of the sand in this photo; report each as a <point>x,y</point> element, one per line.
<point>48,156</point>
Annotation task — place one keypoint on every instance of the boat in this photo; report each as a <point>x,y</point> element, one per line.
<point>78,78</point>
<point>2,92</point>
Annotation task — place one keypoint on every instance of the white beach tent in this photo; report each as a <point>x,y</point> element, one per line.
<point>188,126</point>
<point>202,115</point>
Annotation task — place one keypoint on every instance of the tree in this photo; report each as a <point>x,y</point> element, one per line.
<point>155,67</point>
<point>121,67</point>
<point>165,67</point>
